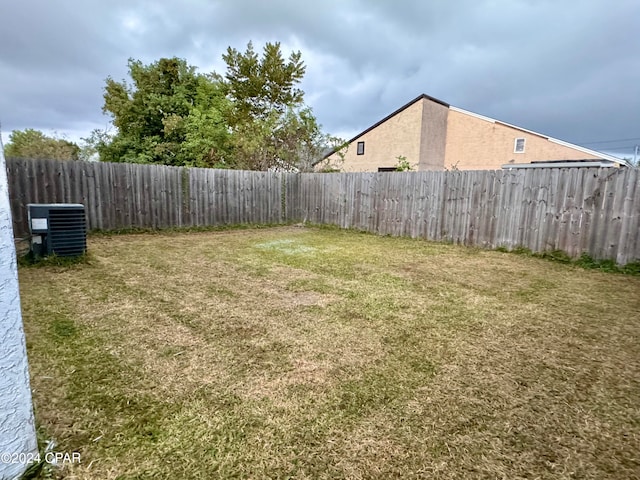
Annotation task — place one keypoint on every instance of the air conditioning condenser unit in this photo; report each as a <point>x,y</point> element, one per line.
<point>57,229</point>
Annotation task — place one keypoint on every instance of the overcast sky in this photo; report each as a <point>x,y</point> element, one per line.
<point>569,69</point>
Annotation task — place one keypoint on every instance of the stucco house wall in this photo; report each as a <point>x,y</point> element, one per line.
<point>399,135</point>
<point>477,143</point>
<point>17,429</point>
<point>434,135</point>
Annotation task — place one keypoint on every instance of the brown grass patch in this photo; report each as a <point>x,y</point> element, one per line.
<point>303,353</point>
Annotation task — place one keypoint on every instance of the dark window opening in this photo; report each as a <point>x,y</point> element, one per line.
<point>387,169</point>
<point>360,148</point>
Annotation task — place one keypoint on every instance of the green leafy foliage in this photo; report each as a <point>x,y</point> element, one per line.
<point>206,140</point>
<point>334,158</point>
<point>271,126</point>
<point>253,117</point>
<point>403,164</point>
<point>30,143</point>
<point>169,114</point>
<point>584,261</point>
<point>260,86</point>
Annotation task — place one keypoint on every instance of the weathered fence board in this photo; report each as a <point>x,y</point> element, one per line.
<point>594,211</point>
<point>119,196</point>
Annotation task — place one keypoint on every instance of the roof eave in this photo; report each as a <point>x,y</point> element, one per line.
<point>567,164</point>
<point>595,153</point>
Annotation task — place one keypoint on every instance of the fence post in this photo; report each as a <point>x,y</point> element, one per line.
<point>185,190</point>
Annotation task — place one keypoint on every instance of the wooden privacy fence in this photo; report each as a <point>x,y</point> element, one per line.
<point>121,195</point>
<point>577,210</point>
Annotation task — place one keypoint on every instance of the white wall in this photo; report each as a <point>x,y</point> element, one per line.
<point>17,429</point>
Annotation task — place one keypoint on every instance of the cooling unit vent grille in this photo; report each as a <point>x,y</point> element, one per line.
<point>68,231</point>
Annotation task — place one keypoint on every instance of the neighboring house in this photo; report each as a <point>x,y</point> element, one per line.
<point>433,135</point>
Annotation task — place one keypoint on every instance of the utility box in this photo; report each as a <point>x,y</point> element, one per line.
<point>57,229</point>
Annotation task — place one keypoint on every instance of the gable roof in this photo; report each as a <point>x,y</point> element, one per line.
<point>402,108</point>
<point>488,119</point>
<point>377,124</point>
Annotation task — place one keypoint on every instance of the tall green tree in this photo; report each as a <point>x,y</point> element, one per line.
<point>252,117</point>
<point>161,112</point>
<point>30,143</point>
<point>259,86</point>
<point>270,124</point>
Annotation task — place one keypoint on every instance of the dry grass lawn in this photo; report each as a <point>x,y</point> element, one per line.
<point>318,353</point>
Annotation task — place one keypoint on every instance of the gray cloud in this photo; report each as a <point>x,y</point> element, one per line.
<point>568,69</point>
